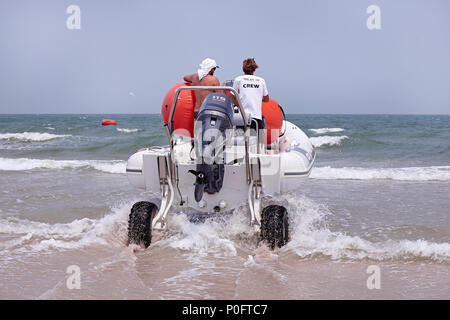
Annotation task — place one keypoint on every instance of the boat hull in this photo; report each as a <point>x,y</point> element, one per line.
<point>281,172</point>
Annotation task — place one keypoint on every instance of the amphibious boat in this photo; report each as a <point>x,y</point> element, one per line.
<point>219,161</point>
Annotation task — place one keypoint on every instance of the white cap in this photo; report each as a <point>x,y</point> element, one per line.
<point>205,67</point>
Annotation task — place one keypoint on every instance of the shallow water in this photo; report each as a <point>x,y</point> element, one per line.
<point>377,196</point>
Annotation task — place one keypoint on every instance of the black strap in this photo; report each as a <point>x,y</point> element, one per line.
<point>284,118</point>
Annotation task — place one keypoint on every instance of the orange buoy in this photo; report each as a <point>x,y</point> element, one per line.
<point>107,122</point>
<point>183,119</point>
<point>273,116</point>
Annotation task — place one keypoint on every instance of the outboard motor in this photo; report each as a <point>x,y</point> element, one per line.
<point>214,118</point>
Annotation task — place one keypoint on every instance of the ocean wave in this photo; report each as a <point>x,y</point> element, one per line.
<point>213,236</point>
<point>125,130</point>
<point>327,140</point>
<point>435,173</point>
<point>326,130</point>
<point>31,136</point>
<point>32,236</point>
<point>312,237</point>
<point>25,164</point>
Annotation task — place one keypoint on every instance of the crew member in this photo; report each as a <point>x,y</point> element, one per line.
<point>252,92</point>
<point>203,77</point>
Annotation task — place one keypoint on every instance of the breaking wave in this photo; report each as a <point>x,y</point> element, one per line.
<point>310,236</point>
<point>25,164</point>
<point>327,140</point>
<point>326,130</point>
<point>31,136</point>
<point>31,236</point>
<point>434,173</point>
<point>437,173</point>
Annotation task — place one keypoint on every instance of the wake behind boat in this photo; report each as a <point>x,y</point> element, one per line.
<point>218,163</point>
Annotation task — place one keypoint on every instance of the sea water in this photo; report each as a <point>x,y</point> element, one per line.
<point>378,195</point>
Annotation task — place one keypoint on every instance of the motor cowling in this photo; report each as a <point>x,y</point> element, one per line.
<point>213,121</point>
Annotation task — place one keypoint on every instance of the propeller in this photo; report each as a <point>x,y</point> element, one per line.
<point>199,184</point>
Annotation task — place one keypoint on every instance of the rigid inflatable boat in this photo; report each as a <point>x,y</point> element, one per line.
<point>218,162</point>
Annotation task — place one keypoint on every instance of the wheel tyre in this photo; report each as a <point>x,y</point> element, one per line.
<point>140,223</point>
<point>274,226</point>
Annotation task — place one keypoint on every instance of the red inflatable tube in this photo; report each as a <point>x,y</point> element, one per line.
<point>184,114</point>
<point>183,118</point>
<point>274,120</point>
<point>107,122</point>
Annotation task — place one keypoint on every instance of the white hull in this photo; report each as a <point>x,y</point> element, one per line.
<point>281,172</point>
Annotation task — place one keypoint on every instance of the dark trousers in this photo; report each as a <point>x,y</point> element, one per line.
<point>261,124</point>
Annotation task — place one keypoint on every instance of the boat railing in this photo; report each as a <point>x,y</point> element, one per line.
<point>239,104</point>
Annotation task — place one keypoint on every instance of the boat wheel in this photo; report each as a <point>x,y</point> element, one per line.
<point>140,223</point>
<point>274,226</point>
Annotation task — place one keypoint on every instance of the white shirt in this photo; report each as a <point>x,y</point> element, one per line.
<point>251,90</point>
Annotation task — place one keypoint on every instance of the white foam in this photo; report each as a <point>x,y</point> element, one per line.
<point>326,130</point>
<point>311,236</point>
<point>25,164</point>
<point>250,262</point>
<point>31,136</point>
<point>32,236</point>
<point>435,173</point>
<point>113,166</point>
<point>209,237</point>
<point>125,130</point>
<point>327,140</point>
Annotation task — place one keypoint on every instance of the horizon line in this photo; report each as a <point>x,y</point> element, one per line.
<point>350,114</point>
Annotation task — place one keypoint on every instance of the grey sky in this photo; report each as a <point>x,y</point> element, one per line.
<point>317,56</point>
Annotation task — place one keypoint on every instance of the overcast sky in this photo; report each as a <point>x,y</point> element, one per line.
<point>317,56</point>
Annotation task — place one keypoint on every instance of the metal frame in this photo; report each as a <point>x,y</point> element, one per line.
<point>168,171</point>
<point>241,109</point>
<point>202,88</point>
<point>165,176</point>
<point>168,176</point>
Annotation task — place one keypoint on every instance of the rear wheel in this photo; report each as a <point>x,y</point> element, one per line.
<point>274,226</point>
<point>140,223</point>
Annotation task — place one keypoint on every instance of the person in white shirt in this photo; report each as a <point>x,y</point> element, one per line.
<point>252,92</point>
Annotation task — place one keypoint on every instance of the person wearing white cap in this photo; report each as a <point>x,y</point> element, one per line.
<point>203,77</point>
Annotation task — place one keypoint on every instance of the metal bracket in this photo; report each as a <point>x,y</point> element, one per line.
<point>254,193</point>
<point>159,221</point>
